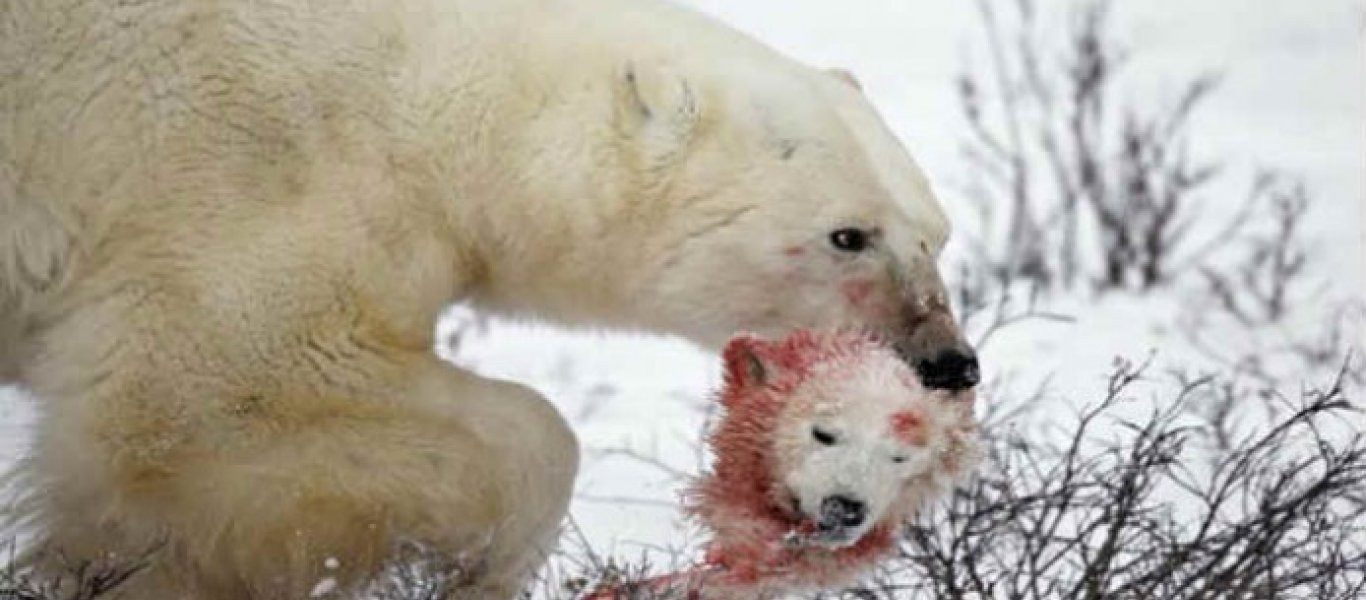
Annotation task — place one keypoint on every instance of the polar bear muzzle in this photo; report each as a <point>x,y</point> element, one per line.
<point>933,342</point>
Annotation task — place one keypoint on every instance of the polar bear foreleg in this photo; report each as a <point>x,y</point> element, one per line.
<point>476,472</point>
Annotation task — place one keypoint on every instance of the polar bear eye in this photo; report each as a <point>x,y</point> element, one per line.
<point>824,437</point>
<point>899,459</point>
<point>849,239</point>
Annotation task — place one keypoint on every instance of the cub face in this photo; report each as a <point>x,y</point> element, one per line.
<point>855,441</point>
<point>849,442</point>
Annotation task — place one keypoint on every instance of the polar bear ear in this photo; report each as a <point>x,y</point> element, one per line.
<point>747,361</point>
<point>846,76</point>
<point>657,101</point>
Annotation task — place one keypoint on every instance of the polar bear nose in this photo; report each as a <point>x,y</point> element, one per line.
<point>950,369</point>
<point>843,511</point>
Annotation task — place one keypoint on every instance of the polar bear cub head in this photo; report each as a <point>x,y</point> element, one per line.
<point>836,433</point>
<point>792,205</point>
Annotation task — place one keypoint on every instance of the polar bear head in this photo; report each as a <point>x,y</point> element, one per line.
<point>829,436</point>
<point>791,205</point>
<point>674,175</point>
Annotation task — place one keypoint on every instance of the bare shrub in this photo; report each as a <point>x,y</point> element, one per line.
<point>1259,285</point>
<point>1071,185</point>
<point>577,570</point>
<point>63,578</point>
<point>1278,514</point>
<point>416,572</point>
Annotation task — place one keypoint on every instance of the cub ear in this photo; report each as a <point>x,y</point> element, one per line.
<point>747,361</point>
<point>656,100</point>
<point>846,76</point>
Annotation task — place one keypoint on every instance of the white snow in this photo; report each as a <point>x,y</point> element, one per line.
<point>324,587</point>
<point>16,417</point>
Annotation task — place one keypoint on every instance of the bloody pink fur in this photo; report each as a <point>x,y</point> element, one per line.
<point>910,427</point>
<point>739,501</point>
<point>856,291</point>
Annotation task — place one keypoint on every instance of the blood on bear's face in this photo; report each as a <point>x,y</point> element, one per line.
<point>849,441</point>
<point>819,219</point>
<point>847,437</point>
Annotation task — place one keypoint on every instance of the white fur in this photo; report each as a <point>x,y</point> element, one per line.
<point>868,462</point>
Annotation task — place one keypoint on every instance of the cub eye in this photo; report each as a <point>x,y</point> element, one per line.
<point>898,459</point>
<point>824,437</point>
<point>849,239</point>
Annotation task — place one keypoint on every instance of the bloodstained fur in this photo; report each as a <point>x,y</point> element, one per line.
<point>741,504</point>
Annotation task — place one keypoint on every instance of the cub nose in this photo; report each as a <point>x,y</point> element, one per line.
<point>951,369</point>
<point>843,511</point>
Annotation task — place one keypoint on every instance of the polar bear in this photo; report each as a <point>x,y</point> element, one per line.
<point>227,227</point>
<point>827,443</point>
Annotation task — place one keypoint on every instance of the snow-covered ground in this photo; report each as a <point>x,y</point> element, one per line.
<point>1293,96</point>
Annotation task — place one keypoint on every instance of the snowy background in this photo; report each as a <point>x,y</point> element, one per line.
<point>1293,96</point>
